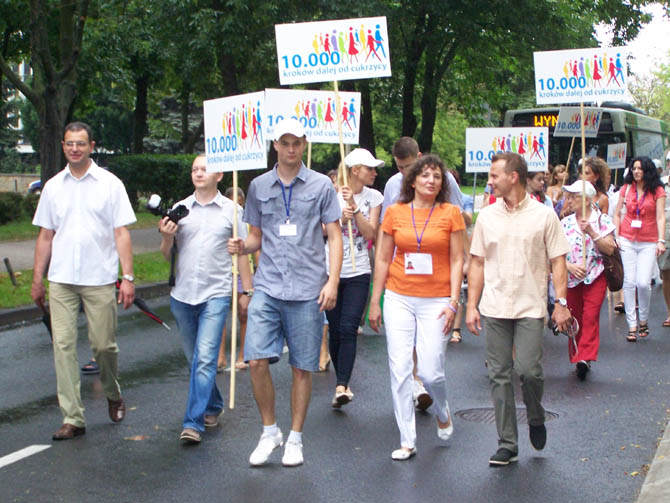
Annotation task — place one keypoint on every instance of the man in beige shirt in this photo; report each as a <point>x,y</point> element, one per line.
<point>513,241</point>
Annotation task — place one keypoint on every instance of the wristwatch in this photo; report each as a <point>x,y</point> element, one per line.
<point>248,293</point>
<point>128,277</point>
<point>562,301</point>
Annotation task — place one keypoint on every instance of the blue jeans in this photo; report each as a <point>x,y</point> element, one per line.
<point>200,327</point>
<point>343,321</point>
<point>272,321</point>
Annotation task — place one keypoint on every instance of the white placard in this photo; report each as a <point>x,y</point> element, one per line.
<point>616,155</point>
<point>569,122</point>
<point>532,143</point>
<point>234,137</point>
<point>317,111</point>
<point>324,51</point>
<point>581,75</point>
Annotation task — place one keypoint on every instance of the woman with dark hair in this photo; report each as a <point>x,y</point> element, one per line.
<point>423,284</point>
<point>641,235</point>
<point>596,172</point>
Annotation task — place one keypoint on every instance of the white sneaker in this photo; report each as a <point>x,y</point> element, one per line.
<point>266,445</point>
<point>292,454</point>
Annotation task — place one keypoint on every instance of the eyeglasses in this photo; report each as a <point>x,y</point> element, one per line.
<point>71,144</point>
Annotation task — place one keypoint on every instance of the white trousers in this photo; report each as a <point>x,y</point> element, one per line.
<point>413,322</point>
<point>638,259</point>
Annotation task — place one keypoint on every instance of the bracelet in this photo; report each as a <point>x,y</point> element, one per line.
<point>454,309</point>
<point>661,241</point>
<point>358,208</point>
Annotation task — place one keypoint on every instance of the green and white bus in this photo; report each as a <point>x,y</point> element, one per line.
<point>620,122</point>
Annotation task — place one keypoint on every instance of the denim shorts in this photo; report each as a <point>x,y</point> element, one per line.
<point>271,322</point>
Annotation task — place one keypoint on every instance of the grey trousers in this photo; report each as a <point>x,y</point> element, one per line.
<point>514,344</point>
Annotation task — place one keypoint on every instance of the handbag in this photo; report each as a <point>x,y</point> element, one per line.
<point>613,268</point>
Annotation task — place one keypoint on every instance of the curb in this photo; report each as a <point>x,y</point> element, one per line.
<point>656,487</point>
<point>32,314</point>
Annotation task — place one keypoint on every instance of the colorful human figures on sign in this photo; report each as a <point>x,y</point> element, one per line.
<point>521,144</point>
<point>321,113</point>
<point>350,43</point>
<point>601,68</point>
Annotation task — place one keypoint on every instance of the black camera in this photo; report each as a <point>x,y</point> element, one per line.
<point>175,214</point>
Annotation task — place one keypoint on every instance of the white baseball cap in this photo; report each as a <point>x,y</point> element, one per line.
<point>576,188</point>
<point>362,156</point>
<point>289,126</point>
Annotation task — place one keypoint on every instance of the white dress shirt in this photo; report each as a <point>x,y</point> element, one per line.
<point>84,212</point>
<point>204,266</point>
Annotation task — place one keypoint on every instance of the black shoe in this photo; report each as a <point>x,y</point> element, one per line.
<point>538,436</point>
<point>582,369</point>
<point>503,457</point>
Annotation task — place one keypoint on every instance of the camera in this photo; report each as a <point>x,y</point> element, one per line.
<point>175,214</point>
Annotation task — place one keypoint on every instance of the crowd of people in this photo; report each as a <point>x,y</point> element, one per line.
<point>310,247</point>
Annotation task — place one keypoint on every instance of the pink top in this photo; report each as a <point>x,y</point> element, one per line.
<point>646,203</point>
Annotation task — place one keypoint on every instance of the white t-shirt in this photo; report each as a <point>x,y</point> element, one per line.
<point>366,200</point>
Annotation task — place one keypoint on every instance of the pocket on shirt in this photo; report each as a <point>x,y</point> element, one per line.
<point>271,209</point>
<point>305,206</point>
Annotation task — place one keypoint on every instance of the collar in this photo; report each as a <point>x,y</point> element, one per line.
<point>522,204</point>
<point>303,172</point>
<point>93,170</point>
<point>219,200</point>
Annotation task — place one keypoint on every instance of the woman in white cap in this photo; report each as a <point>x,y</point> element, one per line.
<point>641,234</point>
<point>586,285</point>
<point>423,284</point>
<point>361,206</point>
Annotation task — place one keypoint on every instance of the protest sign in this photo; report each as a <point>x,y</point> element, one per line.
<point>317,111</point>
<point>482,143</point>
<point>616,155</point>
<point>570,123</point>
<point>581,75</point>
<point>342,49</point>
<point>234,138</point>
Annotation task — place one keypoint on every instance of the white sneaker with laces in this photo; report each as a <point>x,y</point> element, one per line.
<point>292,454</point>
<point>266,445</point>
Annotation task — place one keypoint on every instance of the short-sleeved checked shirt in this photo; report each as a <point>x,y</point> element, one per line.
<point>292,267</point>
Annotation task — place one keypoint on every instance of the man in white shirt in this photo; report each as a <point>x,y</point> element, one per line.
<point>83,213</point>
<point>201,296</point>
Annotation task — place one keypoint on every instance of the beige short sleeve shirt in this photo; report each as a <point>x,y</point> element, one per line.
<point>516,245</point>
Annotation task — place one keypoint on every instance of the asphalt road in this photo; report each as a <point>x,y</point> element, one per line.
<point>606,431</point>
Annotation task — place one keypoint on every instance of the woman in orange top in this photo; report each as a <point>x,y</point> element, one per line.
<point>423,284</point>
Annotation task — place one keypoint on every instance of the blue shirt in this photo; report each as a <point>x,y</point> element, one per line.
<point>394,184</point>
<point>292,267</point>
<point>468,203</point>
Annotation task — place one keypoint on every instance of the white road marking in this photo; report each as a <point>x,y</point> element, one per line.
<point>23,453</point>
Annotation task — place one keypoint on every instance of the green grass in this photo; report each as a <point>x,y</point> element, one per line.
<point>23,229</point>
<point>148,268</point>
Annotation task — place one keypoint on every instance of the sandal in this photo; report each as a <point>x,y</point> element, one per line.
<point>643,331</point>
<point>666,323</point>
<point>241,366</point>
<point>619,308</point>
<point>632,336</point>
<point>91,367</point>
<point>456,335</point>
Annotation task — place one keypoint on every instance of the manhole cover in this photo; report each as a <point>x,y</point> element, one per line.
<point>487,415</point>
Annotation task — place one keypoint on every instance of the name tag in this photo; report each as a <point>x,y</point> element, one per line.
<point>288,230</point>
<point>418,263</point>
<point>636,224</point>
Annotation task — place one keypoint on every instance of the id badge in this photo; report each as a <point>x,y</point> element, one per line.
<point>636,224</point>
<point>288,230</point>
<point>418,263</point>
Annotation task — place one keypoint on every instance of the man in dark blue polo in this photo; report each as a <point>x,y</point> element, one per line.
<point>285,210</point>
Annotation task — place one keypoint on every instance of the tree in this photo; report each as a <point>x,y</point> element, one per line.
<point>55,34</point>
